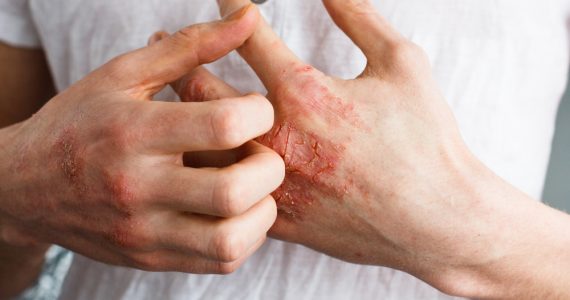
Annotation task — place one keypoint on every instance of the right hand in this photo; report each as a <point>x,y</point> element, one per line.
<point>99,168</point>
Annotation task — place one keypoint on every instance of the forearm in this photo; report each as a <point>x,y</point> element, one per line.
<point>25,86</point>
<point>19,265</point>
<point>526,244</point>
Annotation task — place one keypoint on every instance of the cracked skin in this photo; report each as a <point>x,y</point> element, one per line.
<point>312,161</point>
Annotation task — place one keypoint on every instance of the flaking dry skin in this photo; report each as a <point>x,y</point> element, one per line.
<point>312,162</point>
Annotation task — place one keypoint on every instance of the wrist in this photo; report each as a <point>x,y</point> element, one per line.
<point>502,239</point>
<point>8,138</point>
<point>460,232</point>
<point>464,229</point>
<point>11,157</point>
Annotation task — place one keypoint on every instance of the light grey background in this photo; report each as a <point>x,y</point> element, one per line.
<point>557,188</point>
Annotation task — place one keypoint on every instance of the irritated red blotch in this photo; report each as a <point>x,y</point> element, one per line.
<point>312,160</point>
<point>67,151</point>
<point>310,166</point>
<point>307,92</point>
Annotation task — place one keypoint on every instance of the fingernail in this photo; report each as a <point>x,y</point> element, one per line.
<point>238,13</point>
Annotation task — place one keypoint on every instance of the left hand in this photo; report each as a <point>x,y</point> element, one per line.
<point>376,166</point>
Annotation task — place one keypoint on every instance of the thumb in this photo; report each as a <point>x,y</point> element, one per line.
<point>171,57</point>
<point>363,25</point>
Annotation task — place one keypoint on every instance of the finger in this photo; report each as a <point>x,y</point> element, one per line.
<point>198,86</point>
<point>147,70</point>
<point>160,260</point>
<point>201,85</point>
<point>224,240</point>
<point>224,192</point>
<point>264,51</point>
<point>213,125</point>
<point>363,25</point>
<point>175,261</point>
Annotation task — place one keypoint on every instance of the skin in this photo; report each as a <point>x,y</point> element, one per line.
<point>99,168</point>
<point>377,172</point>
<point>422,203</point>
<point>23,68</point>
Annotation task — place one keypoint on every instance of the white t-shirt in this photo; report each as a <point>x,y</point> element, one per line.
<point>501,65</point>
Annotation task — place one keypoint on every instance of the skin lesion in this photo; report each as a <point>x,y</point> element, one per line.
<point>311,163</point>
<point>308,93</point>
<point>307,109</point>
<point>70,162</point>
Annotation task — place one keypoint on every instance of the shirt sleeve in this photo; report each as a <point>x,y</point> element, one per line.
<point>17,26</point>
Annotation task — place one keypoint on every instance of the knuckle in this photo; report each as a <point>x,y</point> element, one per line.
<point>128,234</point>
<point>226,127</point>
<point>118,135</point>
<point>278,165</point>
<point>228,196</point>
<point>260,98</point>
<point>226,268</point>
<point>266,110</point>
<point>145,262</point>
<point>189,34</point>
<point>121,192</point>
<point>227,247</point>
<point>272,208</point>
<point>195,89</point>
<point>120,235</point>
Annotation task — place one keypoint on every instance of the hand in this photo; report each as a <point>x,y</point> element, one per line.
<point>376,166</point>
<point>99,168</point>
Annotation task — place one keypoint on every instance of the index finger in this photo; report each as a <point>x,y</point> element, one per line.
<point>147,70</point>
<point>213,125</point>
<point>264,51</point>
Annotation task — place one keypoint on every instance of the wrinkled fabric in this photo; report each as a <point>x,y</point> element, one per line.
<point>48,285</point>
<point>501,65</point>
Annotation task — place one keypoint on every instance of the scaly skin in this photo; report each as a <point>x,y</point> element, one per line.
<point>311,161</point>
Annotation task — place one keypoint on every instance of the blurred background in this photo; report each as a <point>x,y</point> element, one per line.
<point>557,188</point>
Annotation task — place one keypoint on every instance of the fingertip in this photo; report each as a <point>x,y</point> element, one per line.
<point>272,208</point>
<point>277,168</point>
<point>277,164</point>
<point>267,111</point>
<point>224,36</point>
<point>244,20</point>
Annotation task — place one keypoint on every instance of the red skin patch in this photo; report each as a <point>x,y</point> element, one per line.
<point>312,161</point>
<point>67,150</point>
<point>305,93</point>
